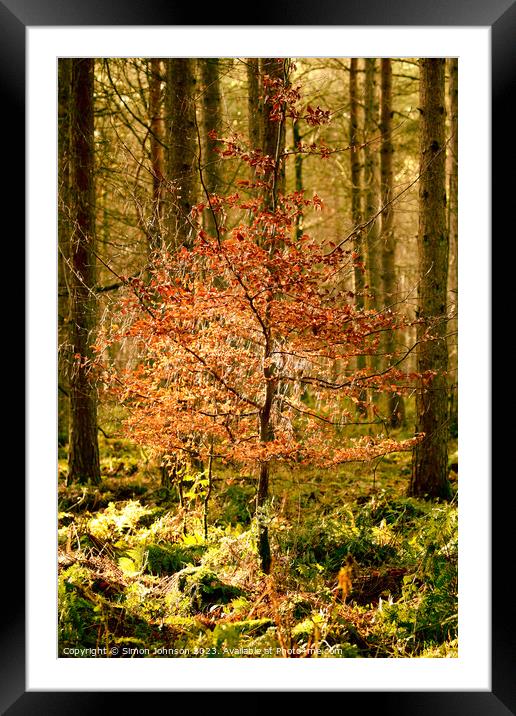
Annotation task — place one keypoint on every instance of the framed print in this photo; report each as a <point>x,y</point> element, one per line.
<point>471,674</point>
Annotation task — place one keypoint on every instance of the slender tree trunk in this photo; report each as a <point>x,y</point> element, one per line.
<point>371,180</point>
<point>207,496</point>
<point>356,202</point>
<point>273,145</point>
<point>157,142</point>
<point>396,407</point>
<point>372,189</point>
<point>273,134</point>
<point>298,169</point>
<point>453,229</point>
<point>64,228</point>
<point>254,103</point>
<point>83,459</point>
<point>430,462</point>
<point>182,142</point>
<point>356,179</point>
<point>262,495</point>
<point>211,123</point>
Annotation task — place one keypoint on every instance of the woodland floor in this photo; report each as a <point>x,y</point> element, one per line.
<point>359,569</point>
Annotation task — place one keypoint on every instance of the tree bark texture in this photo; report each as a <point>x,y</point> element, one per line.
<point>273,132</point>
<point>211,123</point>
<point>254,103</point>
<point>83,460</point>
<point>430,462</point>
<point>273,137</point>
<point>371,179</point>
<point>182,150</point>
<point>356,201</point>
<point>396,406</point>
<point>157,145</point>
<point>452,158</point>
<point>63,257</point>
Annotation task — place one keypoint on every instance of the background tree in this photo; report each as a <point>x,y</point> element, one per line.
<point>83,459</point>
<point>274,70</point>
<point>182,148</point>
<point>452,157</point>
<point>371,179</point>
<point>254,102</point>
<point>396,408</point>
<point>211,126</point>
<point>157,135</point>
<point>356,197</point>
<point>64,227</point>
<point>430,466</point>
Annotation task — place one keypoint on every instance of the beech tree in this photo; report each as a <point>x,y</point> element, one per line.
<point>237,329</point>
<point>430,465</point>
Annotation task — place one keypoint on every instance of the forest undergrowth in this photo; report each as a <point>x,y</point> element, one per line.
<point>359,570</point>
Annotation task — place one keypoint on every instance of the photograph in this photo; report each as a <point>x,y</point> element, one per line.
<point>257,399</point>
<point>258,320</point>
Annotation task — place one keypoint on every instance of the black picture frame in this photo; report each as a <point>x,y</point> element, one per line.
<point>500,16</point>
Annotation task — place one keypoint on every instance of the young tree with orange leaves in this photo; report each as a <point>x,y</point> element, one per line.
<point>249,339</point>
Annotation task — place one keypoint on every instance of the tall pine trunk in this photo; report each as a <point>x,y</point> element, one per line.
<point>273,133</point>
<point>157,137</point>
<point>63,258</point>
<point>83,458</point>
<point>371,180</point>
<point>254,103</point>
<point>211,123</point>
<point>356,202</point>
<point>372,189</point>
<point>453,229</point>
<point>396,406</point>
<point>182,150</point>
<point>356,180</point>
<point>430,460</point>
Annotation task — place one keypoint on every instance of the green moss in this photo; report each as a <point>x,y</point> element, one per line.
<point>202,589</point>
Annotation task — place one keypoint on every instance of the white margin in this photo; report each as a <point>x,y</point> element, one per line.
<point>471,671</point>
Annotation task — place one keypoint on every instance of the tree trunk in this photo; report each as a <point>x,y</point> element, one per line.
<point>430,462</point>
<point>298,169</point>
<point>356,185</point>
<point>254,103</point>
<point>396,406</point>
<point>64,228</point>
<point>273,134</point>
<point>372,189</point>
<point>356,203</point>
<point>453,229</point>
<point>211,122</point>
<point>182,141</point>
<point>273,145</point>
<point>262,495</point>
<point>157,126</point>
<point>371,180</point>
<point>83,459</point>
